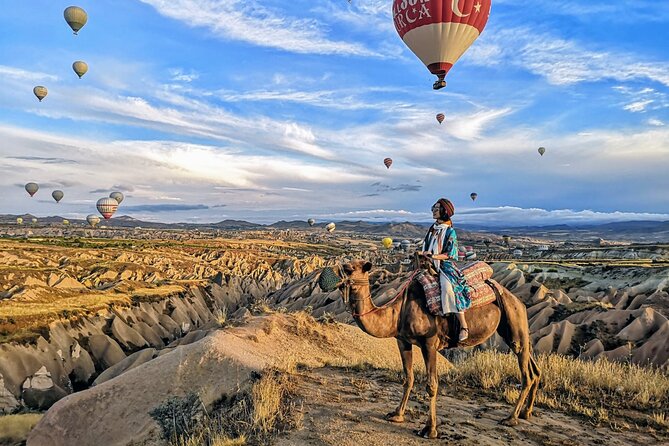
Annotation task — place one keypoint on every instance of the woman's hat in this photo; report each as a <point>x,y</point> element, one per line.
<point>447,207</point>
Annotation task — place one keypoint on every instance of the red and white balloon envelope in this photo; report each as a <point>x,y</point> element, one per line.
<point>440,31</point>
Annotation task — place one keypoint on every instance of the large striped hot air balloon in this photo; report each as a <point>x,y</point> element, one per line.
<point>107,207</point>
<point>440,117</point>
<point>440,31</point>
<point>32,188</point>
<point>388,162</point>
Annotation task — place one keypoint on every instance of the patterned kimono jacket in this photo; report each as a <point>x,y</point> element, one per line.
<point>441,239</point>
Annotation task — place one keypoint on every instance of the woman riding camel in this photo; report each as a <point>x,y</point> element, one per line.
<point>441,245</point>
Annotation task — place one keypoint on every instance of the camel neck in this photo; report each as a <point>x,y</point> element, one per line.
<point>375,321</point>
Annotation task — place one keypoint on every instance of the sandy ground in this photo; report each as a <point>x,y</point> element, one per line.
<point>346,407</point>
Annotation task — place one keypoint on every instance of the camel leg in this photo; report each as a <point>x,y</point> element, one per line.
<point>526,413</point>
<point>527,381</point>
<point>397,416</point>
<point>429,350</point>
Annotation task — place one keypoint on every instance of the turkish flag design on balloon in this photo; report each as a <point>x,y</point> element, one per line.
<point>440,31</point>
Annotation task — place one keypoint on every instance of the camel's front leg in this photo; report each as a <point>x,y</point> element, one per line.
<point>397,416</point>
<point>429,350</point>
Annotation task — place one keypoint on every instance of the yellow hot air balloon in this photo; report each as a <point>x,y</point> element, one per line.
<point>40,92</point>
<point>330,227</point>
<point>19,220</point>
<point>80,67</point>
<point>75,17</point>
<point>387,242</point>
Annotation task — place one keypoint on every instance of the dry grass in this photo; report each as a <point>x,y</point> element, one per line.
<point>15,428</point>
<point>595,390</point>
<point>251,418</point>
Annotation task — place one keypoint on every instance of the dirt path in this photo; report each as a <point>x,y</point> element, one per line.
<point>346,407</point>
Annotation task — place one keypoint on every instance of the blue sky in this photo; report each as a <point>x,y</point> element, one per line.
<point>201,110</point>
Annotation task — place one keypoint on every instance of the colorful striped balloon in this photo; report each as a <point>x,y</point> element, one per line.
<point>388,162</point>
<point>441,117</point>
<point>440,31</point>
<point>107,206</point>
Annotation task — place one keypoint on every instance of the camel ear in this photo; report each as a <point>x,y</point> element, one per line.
<point>367,267</point>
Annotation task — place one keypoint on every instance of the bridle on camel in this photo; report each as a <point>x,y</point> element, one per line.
<point>345,288</point>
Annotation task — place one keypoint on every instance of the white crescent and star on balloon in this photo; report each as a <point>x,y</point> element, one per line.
<point>457,12</point>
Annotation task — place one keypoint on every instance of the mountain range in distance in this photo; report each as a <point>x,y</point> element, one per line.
<point>640,231</point>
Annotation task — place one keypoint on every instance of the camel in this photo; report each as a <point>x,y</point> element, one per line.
<point>408,320</point>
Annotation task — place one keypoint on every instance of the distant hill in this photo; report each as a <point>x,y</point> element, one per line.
<point>639,231</point>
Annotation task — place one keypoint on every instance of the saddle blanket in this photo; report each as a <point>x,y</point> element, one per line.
<point>476,274</point>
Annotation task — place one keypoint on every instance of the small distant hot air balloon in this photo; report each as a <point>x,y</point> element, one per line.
<point>66,222</point>
<point>473,196</point>
<point>441,117</point>
<point>107,207</point>
<point>40,92</point>
<point>118,196</point>
<point>507,240</point>
<point>80,67</point>
<point>541,151</point>
<point>57,195</point>
<point>75,17</point>
<point>34,220</point>
<point>32,188</point>
<point>330,227</point>
<point>440,31</point>
<point>93,220</point>
<point>388,162</point>
<point>311,222</point>
<point>19,220</point>
<point>387,242</point>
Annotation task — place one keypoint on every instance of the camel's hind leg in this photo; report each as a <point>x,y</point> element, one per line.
<point>429,350</point>
<point>397,416</point>
<point>526,413</point>
<point>516,333</point>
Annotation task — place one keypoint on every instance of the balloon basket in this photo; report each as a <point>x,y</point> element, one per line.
<point>439,84</point>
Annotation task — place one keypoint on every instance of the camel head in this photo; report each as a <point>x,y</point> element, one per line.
<point>355,273</point>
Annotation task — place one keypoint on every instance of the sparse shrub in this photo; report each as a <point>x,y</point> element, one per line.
<point>14,429</point>
<point>177,417</point>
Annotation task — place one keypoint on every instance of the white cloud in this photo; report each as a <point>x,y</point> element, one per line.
<point>638,106</point>
<point>252,22</point>
<point>655,122</point>
<point>25,75</point>
<point>561,61</point>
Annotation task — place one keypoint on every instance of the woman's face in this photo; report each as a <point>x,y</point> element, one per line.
<point>436,211</point>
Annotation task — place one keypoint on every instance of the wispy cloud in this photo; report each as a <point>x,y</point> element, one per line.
<point>164,207</point>
<point>561,61</point>
<point>252,22</point>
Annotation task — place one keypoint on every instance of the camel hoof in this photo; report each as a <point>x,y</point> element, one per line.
<point>394,417</point>
<point>427,432</point>
<point>511,421</point>
<point>525,415</point>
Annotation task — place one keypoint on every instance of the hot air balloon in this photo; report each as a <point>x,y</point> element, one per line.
<point>66,222</point>
<point>80,67</point>
<point>405,245</point>
<point>40,92</point>
<point>57,195</point>
<point>441,117</point>
<point>311,222</point>
<point>330,227</point>
<point>388,162</point>
<point>507,240</point>
<point>32,188</point>
<point>118,196</point>
<point>387,242</point>
<point>19,220</point>
<point>75,17</point>
<point>473,196</point>
<point>541,151</point>
<point>440,31</point>
<point>93,220</point>
<point>107,207</point>
<point>34,220</point>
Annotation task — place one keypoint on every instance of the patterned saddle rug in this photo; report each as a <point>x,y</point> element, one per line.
<point>477,275</point>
